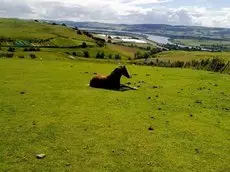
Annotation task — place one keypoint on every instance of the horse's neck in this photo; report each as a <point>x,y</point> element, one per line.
<point>115,76</point>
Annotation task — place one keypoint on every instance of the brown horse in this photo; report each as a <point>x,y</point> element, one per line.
<point>111,81</point>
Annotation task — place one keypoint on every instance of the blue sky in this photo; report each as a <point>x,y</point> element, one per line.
<point>213,13</point>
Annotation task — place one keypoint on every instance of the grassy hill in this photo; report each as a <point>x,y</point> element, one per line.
<point>53,39</point>
<point>194,55</point>
<point>23,29</point>
<point>178,120</point>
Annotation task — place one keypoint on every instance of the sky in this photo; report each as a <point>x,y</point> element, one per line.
<point>212,13</point>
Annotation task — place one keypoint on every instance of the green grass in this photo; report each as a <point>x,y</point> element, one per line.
<point>195,42</point>
<point>124,50</point>
<point>84,129</point>
<point>69,42</point>
<point>192,55</point>
<point>29,30</point>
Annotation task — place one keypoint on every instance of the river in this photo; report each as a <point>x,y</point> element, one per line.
<point>154,38</point>
<point>159,39</point>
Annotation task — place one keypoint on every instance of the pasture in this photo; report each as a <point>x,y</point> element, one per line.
<point>29,30</point>
<point>178,120</point>
<point>191,55</point>
<point>197,42</point>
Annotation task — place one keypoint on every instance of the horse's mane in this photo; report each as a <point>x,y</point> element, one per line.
<point>116,71</point>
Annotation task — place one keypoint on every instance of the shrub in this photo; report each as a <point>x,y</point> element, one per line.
<point>137,55</point>
<point>110,56</point>
<point>86,54</point>
<point>21,57</point>
<point>100,43</point>
<point>9,55</point>
<point>216,64</point>
<point>100,55</point>
<point>79,32</point>
<point>117,56</point>
<point>74,54</point>
<point>31,49</point>
<point>11,49</point>
<point>83,45</point>
<point>33,56</point>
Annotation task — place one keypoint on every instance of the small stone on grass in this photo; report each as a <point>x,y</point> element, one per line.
<point>40,156</point>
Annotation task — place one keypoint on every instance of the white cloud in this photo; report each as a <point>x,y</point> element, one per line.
<point>117,11</point>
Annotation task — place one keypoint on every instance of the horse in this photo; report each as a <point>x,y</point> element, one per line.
<point>111,81</point>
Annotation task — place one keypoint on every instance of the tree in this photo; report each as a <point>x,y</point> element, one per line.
<point>117,56</point>
<point>110,56</point>
<point>100,55</point>
<point>146,55</point>
<point>83,45</point>
<point>100,43</point>
<point>79,32</point>
<point>63,24</point>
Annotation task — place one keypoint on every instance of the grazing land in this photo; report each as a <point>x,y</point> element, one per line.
<point>178,120</point>
<point>53,39</point>
<point>196,42</point>
<point>192,55</point>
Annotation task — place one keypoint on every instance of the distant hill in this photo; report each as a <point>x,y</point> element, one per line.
<point>160,29</point>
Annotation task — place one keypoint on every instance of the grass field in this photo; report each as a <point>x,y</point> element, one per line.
<point>196,42</point>
<point>178,120</point>
<point>29,30</point>
<point>191,55</point>
<point>70,42</point>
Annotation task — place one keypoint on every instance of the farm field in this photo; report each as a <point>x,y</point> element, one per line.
<point>29,30</point>
<point>196,42</point>
<point>191,55</point>
<point>178,120</point>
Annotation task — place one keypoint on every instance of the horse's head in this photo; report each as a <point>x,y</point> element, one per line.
<point>124,71</point>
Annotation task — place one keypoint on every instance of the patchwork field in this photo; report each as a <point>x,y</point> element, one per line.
<point>178,120</point>
<point>196,42</point>
<point>192,55</point>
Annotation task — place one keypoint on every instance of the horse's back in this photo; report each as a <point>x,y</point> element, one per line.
<point>98,81</point>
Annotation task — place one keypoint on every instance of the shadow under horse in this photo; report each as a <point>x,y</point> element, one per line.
<point>112,81</point>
